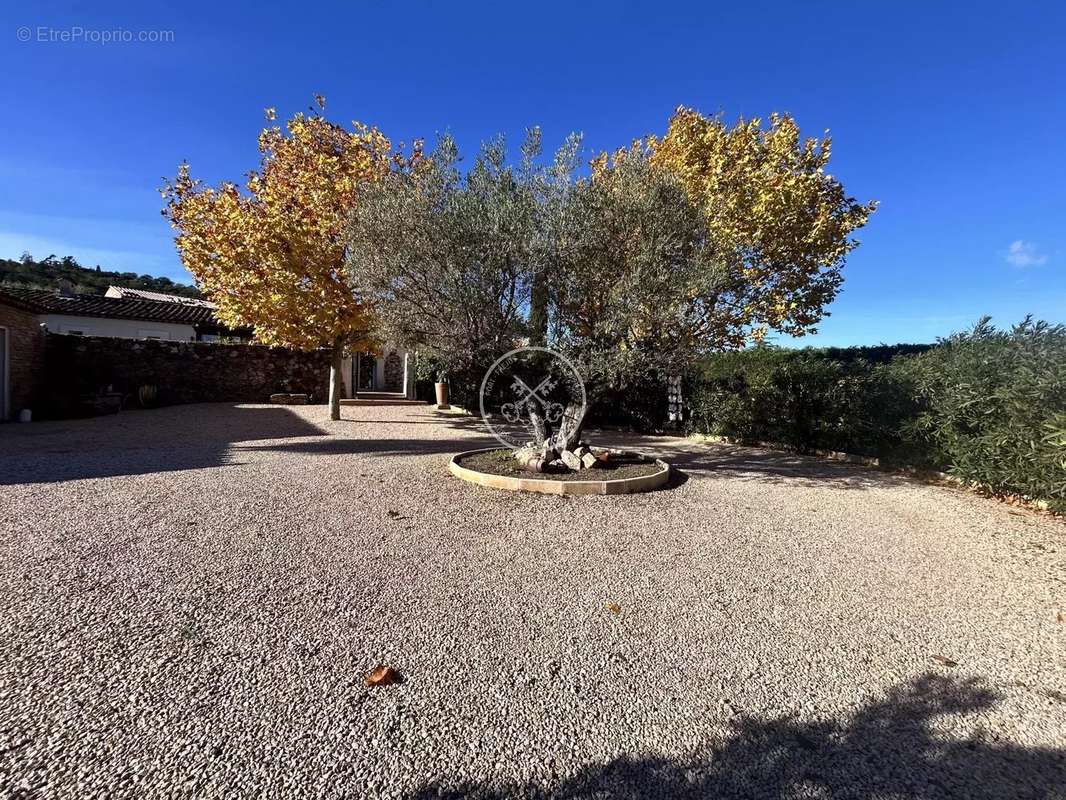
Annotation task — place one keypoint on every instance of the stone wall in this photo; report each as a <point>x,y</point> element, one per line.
<point>182,372</point>
<point>25,349</point>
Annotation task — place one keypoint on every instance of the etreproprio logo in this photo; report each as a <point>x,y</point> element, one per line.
<point>525,379</point>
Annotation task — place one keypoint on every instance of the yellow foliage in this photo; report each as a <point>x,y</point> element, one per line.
<point>781,224</point>
<point>272,257</point>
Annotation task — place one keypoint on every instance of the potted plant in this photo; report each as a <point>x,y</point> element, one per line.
<point>429,367</point>
<point>440,385</point>
<point>147,395</point>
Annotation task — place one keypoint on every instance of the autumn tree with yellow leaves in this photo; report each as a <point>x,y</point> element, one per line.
<point>706,238</point>
<point>780,224</point>
<point>273,256</point>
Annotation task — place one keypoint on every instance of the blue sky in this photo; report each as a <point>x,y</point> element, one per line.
<point>952,116</point>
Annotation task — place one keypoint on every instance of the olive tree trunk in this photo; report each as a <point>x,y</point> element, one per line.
<point>549,443</point>
<point>336,379</point>
<point>570,427</point>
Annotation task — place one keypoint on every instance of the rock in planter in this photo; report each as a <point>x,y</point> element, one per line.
<point>532,458</point>
<point>571,459</point>
<point>589,460</point>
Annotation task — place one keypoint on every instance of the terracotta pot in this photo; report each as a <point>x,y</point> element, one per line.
<point>442,395</point>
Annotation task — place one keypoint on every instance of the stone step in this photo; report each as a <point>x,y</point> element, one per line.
<point>380,399</point>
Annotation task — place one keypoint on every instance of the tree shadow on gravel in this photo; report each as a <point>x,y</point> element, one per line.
<point>210,435</point>
<point>377,447</point>
<point>764,466</point>
<point>888,750</point>
<point>141,442</point>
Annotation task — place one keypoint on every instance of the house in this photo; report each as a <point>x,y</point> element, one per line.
<point>145,294</point>
<point>124,316</point>
<point>26,315</point>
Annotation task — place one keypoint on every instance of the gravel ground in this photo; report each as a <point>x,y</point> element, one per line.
<point>192,596</point>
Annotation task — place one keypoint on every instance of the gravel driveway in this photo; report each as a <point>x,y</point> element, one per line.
<point>192,596</point>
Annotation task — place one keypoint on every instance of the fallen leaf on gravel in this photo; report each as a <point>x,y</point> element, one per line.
<point>1059,617</point>
<point>944,661</point>
<point>614,608</point>
<point>392,513</point>
<point>383,676</point>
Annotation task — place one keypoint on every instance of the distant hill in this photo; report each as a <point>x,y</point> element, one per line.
<point>47,274</point>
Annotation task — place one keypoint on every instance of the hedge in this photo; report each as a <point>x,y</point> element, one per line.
<point>988,406</point>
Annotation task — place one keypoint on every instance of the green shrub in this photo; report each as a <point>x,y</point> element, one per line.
<point>988,406</point>
<point>994,407</point>
<point>639,404</point>
<point>804,400</point>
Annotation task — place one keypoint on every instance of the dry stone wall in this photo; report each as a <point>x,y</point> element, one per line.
<point>77,367</point>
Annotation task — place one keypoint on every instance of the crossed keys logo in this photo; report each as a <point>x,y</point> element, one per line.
<point>512,412</point>
<point>524,381</point>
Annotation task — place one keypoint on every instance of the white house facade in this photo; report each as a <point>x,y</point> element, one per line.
<point>391,371</point>
<point>118,328</point>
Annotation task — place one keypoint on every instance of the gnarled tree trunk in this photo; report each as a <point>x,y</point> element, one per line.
<point>542,429</point>
<point>549,444</point>
<point>570,427</point>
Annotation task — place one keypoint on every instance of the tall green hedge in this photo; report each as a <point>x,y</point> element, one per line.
<point>986,405</point>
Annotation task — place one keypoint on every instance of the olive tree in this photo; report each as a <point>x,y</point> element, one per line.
<point>450,261</point>
<point>705,239</point>
<point>630,276</point>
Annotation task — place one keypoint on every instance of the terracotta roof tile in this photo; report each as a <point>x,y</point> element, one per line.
<point>145,294</point>
<point>84,305</point>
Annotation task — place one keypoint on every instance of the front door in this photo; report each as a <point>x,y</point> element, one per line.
<point>366,373</point>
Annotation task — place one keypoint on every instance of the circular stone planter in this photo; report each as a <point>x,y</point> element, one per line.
<point>642,483</point>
